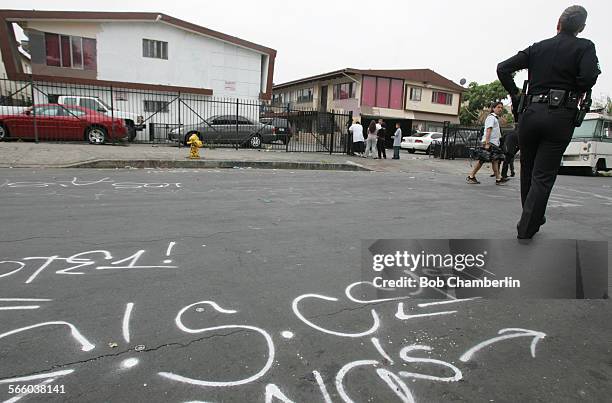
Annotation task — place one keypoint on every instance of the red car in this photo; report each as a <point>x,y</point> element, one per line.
<point>62,122</point>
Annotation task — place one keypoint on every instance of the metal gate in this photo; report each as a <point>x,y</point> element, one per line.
<point>75,112</point>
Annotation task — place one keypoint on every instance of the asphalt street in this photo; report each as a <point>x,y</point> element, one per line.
<point>231,285</point>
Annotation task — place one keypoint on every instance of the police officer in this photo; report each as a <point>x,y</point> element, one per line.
<point>561,70</point>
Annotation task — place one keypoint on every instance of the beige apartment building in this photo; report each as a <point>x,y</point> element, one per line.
<point>420,99</point>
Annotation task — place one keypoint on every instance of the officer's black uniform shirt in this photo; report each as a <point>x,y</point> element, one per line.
<point>563,62</point>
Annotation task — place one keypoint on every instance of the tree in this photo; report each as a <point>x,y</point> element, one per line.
<point>477,98</point>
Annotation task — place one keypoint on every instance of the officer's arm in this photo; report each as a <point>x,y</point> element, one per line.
<point>588,69</point>
<point>505,69</point>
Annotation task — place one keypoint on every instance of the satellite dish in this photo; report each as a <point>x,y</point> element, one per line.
<point>462,81</point>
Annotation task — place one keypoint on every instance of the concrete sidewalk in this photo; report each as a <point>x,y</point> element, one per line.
<point>53,155</point>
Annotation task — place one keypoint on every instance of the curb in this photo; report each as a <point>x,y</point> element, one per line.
<point>228,164</point>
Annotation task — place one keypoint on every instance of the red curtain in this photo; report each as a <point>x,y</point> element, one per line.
<point>53,49</point>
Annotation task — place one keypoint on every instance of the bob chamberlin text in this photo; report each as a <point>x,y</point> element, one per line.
<point>447,282</point>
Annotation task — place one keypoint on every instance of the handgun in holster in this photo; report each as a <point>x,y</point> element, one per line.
<point>522,101</point>
<point>585,106</point>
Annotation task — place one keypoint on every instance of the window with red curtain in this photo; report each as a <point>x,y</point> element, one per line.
<point>368,91</point>
<point>397,92</point>
<point>89,54</point>
<point>77,52</point>
<point>443,98</point>
<point>382,92</point>
<point>52,46</point>
<point>65,48</point>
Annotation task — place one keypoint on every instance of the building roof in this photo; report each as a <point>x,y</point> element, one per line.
<point>99,16</point>
<point>15,16</point>
<point>424,76</point>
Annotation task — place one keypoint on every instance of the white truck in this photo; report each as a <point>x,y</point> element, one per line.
<point>591,145</point>
<point>133,121</point>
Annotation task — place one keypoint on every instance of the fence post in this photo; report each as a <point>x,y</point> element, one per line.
<point>349,138</point>
<point>445,138</point>
<point>333,132</point>
<point>179,119</point>
<point>112,105</point>
<point>237,107</point>
<point>34,108</point>
<point>287,138</point>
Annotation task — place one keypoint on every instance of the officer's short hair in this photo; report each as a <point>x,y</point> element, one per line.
<point>573,19</point>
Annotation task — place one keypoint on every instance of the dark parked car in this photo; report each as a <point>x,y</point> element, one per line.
<point>283,131</point>
<point>61,122</point>
<point>227,129</point>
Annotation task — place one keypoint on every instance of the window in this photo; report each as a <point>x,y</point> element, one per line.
<point>154,49</point>
<point>368,97</point>
<point>277,99</point>
<point>344,91</point>
<point>304,95</point>
<point>382,92</point>
<point>70,101</point>
<point>396,96</point>
<point>415,94</point>
<point>70,51</point>
<point>90,104</point>
<point>47,111</point>
<point>156,106</point>
<point>443,98</point>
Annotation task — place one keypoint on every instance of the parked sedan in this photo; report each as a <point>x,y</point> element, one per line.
<point>421,141</point>
<point>227,129</point>
<point>283,129</point>
<point>61,122</point>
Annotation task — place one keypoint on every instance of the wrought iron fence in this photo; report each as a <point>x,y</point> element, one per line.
<point>46,111</point>
<point>458,141</point>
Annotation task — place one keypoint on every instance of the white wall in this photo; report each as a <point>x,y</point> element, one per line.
<point>193,60</point>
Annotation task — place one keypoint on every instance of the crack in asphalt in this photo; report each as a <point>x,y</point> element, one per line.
<point>146,350</point>
<point>350,309</point>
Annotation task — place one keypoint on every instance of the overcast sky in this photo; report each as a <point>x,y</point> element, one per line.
<point>458,39</point>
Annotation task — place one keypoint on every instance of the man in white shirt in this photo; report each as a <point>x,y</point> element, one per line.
<point>358,140</point>
<point>490,143</point>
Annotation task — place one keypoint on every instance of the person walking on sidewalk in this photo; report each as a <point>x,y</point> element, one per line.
<point>397,140</point>
<point>490,150</point>
<point>380,143</point>
<point>357,138</point>
<point>562,69</point>
<point>371,141</point>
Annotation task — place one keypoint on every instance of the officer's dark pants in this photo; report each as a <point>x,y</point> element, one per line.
<point>508,162</point>
<point>380,146</point>
<point>544,133</point>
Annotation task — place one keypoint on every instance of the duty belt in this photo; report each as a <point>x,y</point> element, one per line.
<point>556,98</point>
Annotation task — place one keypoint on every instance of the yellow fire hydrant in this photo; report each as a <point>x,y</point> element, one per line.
<point>195,144</point>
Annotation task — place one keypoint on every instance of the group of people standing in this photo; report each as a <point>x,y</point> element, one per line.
<point>374,143</point>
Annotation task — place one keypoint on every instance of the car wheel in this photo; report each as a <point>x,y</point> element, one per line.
<point>428,150</point>
<point>411,150</point>
<point>4,134</point>
<point>96,135</point>
<point>255,141</point>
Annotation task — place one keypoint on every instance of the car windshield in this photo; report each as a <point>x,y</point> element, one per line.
<point>105,104</point>
<point>418,134</point>
<point>588,129</point>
